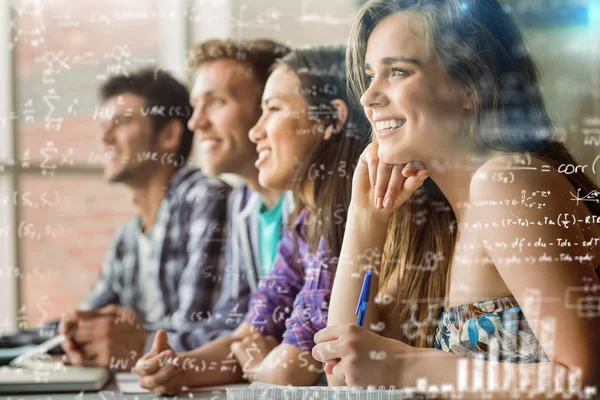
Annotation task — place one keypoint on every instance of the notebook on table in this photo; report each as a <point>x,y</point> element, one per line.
<point>263,391</point>
<point>128,383</point>
<point>45,376</point>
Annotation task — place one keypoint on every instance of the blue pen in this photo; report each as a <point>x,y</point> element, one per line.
<point>363,300</point>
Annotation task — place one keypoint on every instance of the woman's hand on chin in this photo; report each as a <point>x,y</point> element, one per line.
<point>382,188</point>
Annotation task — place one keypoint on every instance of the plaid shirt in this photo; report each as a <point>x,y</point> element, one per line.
<point>185,263</point>
<point>291,303</point>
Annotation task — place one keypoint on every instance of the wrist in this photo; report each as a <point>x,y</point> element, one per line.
<point>188,377</point>
<point>371,217</point>
<point>404,362</point>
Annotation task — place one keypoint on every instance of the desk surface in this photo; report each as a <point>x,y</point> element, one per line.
<point>111,392</point>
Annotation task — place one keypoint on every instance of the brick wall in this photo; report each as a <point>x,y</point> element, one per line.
<point>59,266</point>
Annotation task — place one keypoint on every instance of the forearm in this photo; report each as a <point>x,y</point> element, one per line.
<point>288,365</point>
<point>364,232</point>
<point>479,376</point>
<point>213,366</point>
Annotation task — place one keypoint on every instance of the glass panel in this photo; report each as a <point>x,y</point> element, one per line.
<point>65,228</point>
<point>64,50</point>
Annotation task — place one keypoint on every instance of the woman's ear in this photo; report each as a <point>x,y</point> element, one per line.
<point>468,101</point>
<point>339,118</point>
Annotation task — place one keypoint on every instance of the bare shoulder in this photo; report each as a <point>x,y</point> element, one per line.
<point>525,179</point>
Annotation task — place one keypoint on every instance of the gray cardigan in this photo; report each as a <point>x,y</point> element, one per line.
<point>242,259</point>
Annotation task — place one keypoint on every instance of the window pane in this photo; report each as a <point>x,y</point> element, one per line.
<point>66,226</point>
<point>64,50</point>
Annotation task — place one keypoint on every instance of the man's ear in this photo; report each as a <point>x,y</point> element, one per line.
<point>340,117</point>
<point>170,135</point>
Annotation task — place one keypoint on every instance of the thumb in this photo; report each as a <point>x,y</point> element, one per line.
<point>161,342</point>
<point>329,366</point>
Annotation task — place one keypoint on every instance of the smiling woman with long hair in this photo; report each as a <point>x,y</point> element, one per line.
<point>463,166</point>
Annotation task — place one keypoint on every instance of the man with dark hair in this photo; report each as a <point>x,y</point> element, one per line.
<point>164,266</point>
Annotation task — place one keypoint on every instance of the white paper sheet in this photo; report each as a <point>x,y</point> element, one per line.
<point>129,383</point>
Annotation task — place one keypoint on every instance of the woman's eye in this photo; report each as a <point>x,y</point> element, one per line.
<point>273,109</point>
<point>369,79</point>
<point>217,101</point>
<point>398,72</point>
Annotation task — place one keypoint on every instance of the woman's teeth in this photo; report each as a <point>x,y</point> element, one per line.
<point>263,154</point>
<point>390,124</point>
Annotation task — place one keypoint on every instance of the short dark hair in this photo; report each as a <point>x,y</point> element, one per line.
<point>157,88</point>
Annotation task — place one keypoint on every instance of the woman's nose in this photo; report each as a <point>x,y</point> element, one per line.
<point>256,132</point>
<point>373,97</point>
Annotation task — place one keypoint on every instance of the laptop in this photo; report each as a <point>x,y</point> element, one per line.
<point>47,376</point>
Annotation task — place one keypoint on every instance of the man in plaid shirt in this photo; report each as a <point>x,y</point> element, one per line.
<point>164,267</point>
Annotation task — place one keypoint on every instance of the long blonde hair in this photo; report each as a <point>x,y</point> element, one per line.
<point>482,48</point>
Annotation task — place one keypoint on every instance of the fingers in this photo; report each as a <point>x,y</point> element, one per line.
<point>394,187</point>
<point>161,374</point>
<point>329,366</point>
<point>160,377</point>
<point>402,182</point>
<point>111,309</point>
<point>91,327</point>
<point>327,351</point>
<point>169,383</point>
<point>151,365</point>
<point>329,333</point>
<point>72,353</point>
<point>67,324</point>
<point>412,168</point>
<point>85,337</point>
<point>338,371</point>
<point>239,351</point>
<point>411,184</point>
<point>384,172</point>
<point>86,314</point>
<point>370,158</point>
<point>95,353</point>
<point>161,342</point>
<point>71,349</point>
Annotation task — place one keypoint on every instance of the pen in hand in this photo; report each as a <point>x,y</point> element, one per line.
<point>363,300</point>
<point>40,349</point>
<point>361,308</point>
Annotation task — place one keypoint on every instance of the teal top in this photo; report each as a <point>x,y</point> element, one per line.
<point>270,222</point>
